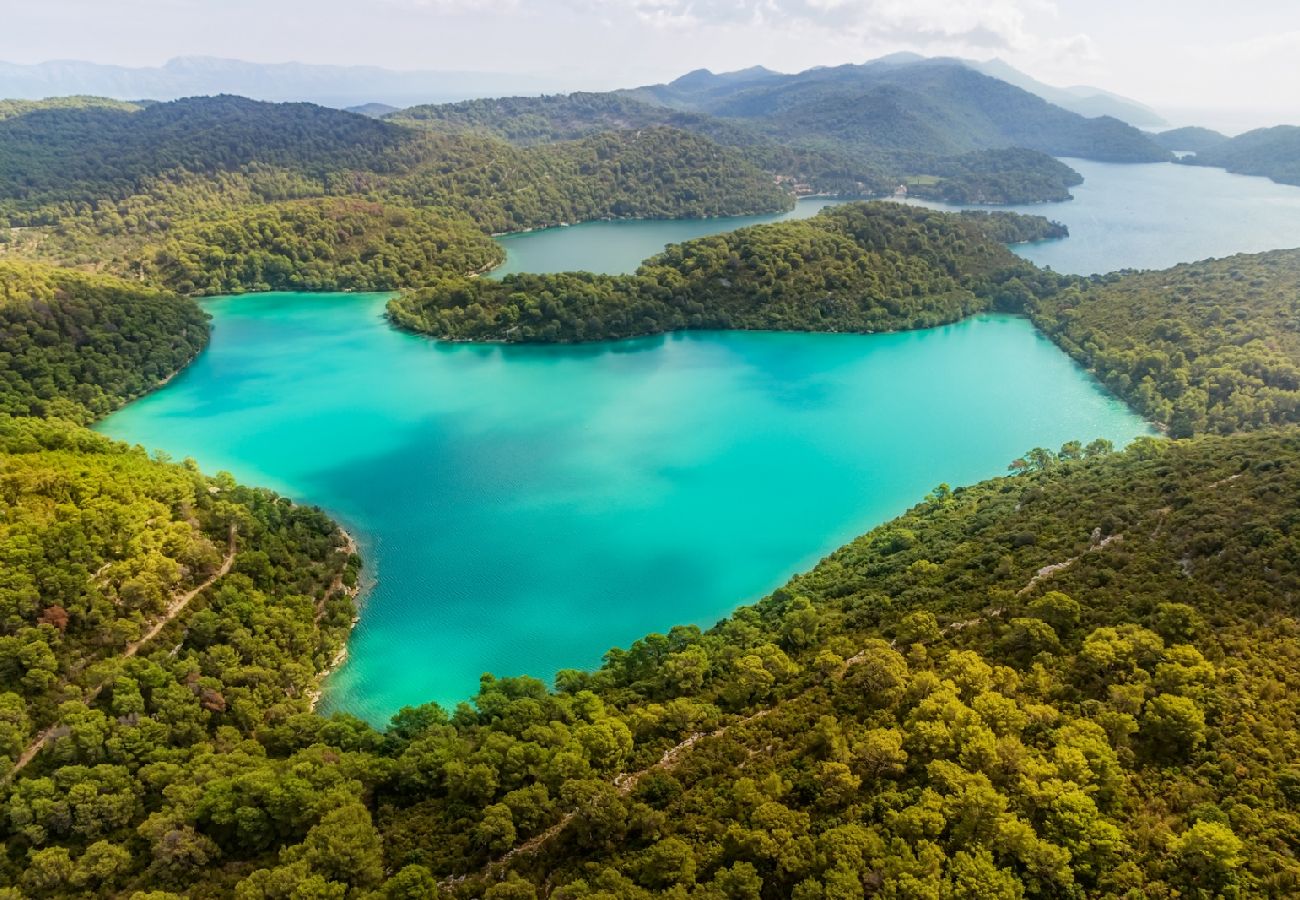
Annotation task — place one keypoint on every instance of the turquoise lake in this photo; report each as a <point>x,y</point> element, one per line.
<point>523,509</point>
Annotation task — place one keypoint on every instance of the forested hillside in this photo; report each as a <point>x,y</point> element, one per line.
<point>1208,346</point>
<point>1192,138</point>
<point>319,245</point>
<point>78,346</point>
<point>856,267</point>
<point>152,620</point>
<point>115,186</point>
<point>1067,681</point>
<point>1271,152</point>
<point>859,162</point>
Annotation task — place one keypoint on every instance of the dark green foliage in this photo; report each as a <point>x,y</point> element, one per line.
<point>857,267</point>
<point>1208,346</point>
<point>1271,152</point>
<point>78,345</point>
<point>996,177</point>
<point>55,157</point>
<point>1014,228</point>
<point>85,153</point>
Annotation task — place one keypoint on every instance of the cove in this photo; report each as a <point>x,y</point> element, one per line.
<point>522,509</point>
<point>1123,216</point>
<point>620,245</point>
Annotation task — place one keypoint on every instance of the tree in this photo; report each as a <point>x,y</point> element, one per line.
<point>1206,857</point>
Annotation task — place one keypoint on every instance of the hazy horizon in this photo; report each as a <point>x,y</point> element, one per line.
<point>1185,59</point>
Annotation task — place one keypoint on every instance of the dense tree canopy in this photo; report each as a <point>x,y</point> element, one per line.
<point>1208,346</point>
<point>78,346</point>
<point>319,245</point>
<point>205,179</point>
<point>947,132</point>
<point>856,267</point>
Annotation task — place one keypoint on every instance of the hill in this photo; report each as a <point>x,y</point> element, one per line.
<point>856,267</point>
<point>374,110</point>
<point>335,244</point>
<point>1194,139</point>
<point>78,346</point>
<point>939,105</point>
<point>853,166</point>
<point>1207,346</point>
<point>1089,102</point>
<point>106,186</point>
<point>1271,152</point>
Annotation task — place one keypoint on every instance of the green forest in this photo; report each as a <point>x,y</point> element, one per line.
<point>319,245</point>
<point>78,346</point>
<point>210,194</point>
<point>1208,346</point>
<point>1078,680</point>
<point>861,267</point>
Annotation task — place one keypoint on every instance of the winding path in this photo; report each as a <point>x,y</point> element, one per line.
<point>174,609</point>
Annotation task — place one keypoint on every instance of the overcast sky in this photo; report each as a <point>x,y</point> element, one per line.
<point>1183,56</point>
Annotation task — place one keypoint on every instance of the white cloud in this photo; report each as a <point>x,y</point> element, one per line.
<point>979,24</point>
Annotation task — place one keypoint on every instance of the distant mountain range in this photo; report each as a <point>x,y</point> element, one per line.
<point>188,76</point>
<point>362,86</point>
<point>902,103</point>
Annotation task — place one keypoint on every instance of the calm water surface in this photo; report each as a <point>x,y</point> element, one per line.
<point>614,247</point>
<point>1148,216</point>
<point>526,508</point>
<point>1156,215</point>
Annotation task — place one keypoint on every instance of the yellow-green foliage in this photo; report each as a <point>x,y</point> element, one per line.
<point>1208,346</point>
<point>319,245</point>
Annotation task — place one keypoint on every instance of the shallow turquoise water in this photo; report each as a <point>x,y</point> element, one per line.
<point>526,508</point>
<point>1123,216</point>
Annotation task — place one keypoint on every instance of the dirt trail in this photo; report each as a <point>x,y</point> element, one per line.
<point>624,782</point>
<point>174,609</point>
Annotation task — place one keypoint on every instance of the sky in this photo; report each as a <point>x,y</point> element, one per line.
<point>1192,59</point>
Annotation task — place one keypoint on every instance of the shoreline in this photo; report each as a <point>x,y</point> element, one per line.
<point>350,547</point>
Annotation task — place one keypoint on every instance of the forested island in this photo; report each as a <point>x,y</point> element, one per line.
<point>1071,681</point>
